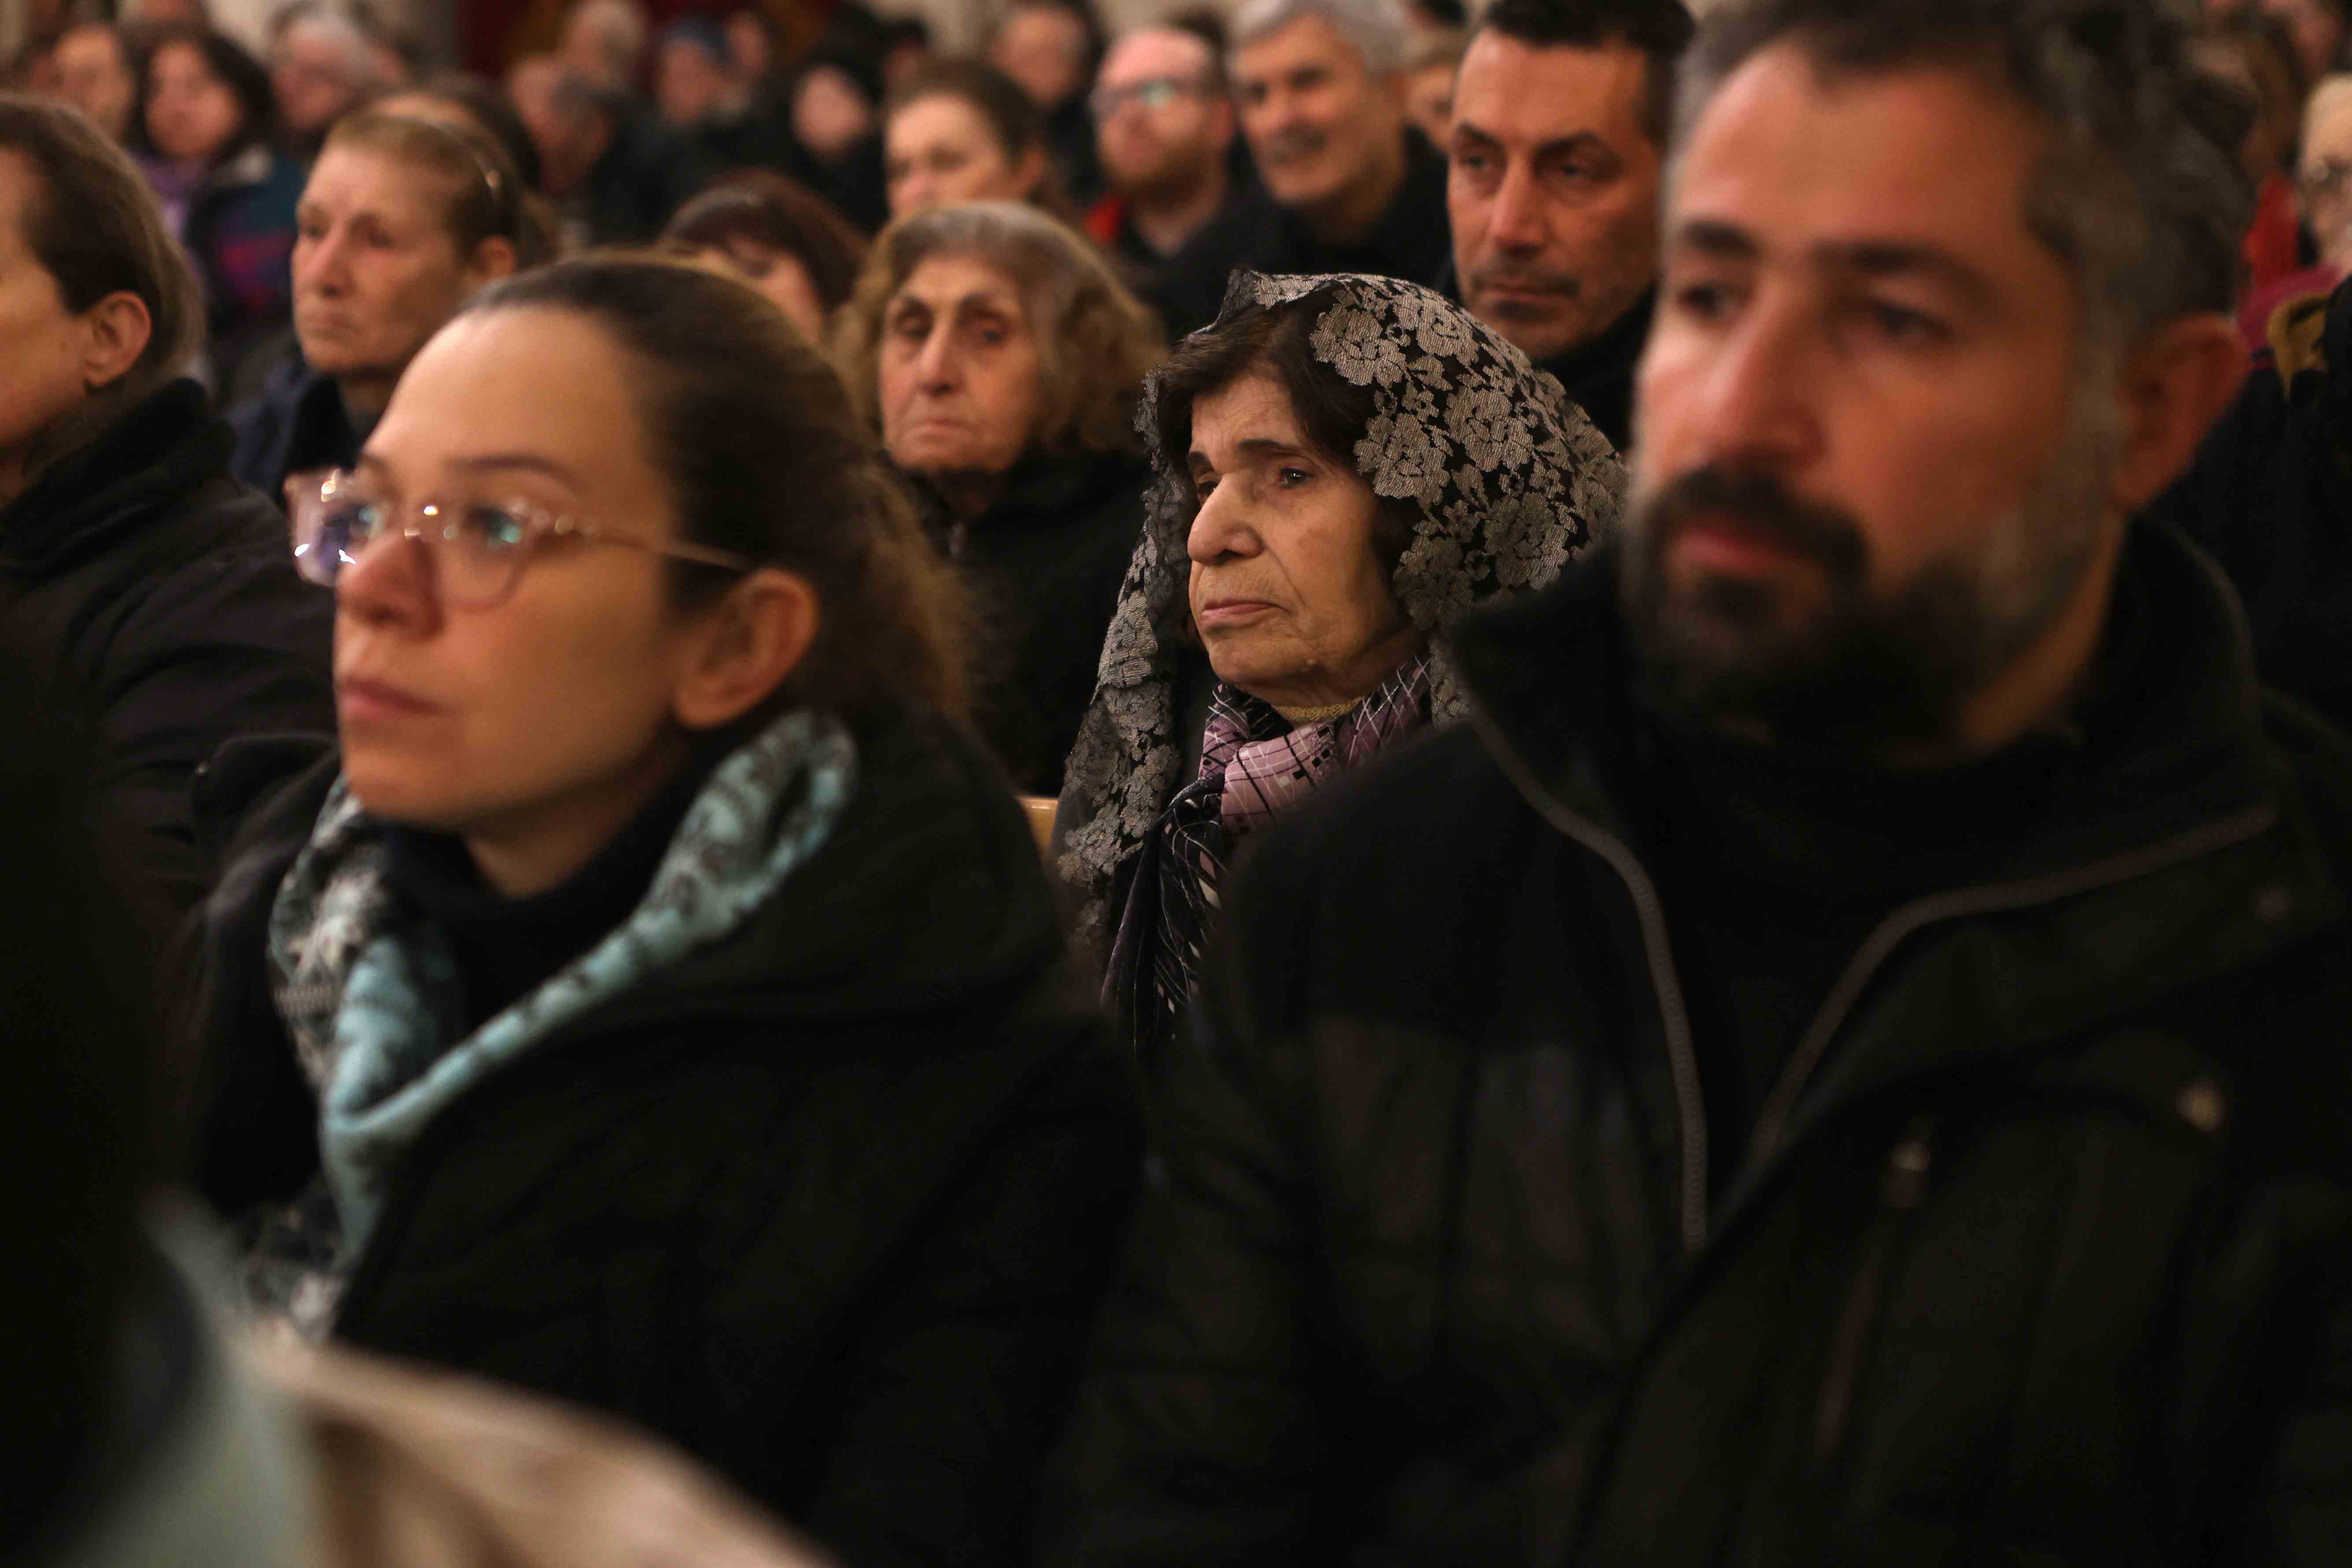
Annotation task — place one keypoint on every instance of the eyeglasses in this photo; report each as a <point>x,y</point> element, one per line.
<point>477,549</point>
<point>1152,93</point>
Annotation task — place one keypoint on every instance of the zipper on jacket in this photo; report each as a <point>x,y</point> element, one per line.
<point>1989,898</point>
<point>1682,1059</point>
<point>1900,1190</point>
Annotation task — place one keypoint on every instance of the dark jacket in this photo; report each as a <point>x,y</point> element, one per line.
<point>166,589</point>
<point>2050,1262</point>
<point>1044,564</point>
<point>2271,496</point>
<point>1187,289</point>
<point>297,423</point>
<point>240,233</point>
<point>1414,239</point>
<point>1598,375</point>
<point>827,1203</point>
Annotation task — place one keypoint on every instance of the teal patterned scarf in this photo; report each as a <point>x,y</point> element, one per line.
<point>370,992</point>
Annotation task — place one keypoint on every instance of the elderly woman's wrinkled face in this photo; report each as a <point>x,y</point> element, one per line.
<point>960,376</point>
<point>1288,589</point>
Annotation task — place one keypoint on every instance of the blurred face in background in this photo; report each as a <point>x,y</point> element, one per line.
<point>376,270</point>
<point>1322,126</point>
<point>777,275</point>
<point>830,112</point>
<point>94,76</point>
<point>939,151</point>
<point>319,73</point>
<point>1428,99</point>
<point>1043,49</point>
<point>2319,29</point>
<point>2324,173</point>
<point>1160,122</point>
<point>690,84</point>
<point>960,376</point>
<point>192,115</point>
<point>1552,187</point>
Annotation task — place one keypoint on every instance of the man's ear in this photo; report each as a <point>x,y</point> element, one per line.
<point>756,637</point>
<point>2173,386</point>
<point>115,332</point>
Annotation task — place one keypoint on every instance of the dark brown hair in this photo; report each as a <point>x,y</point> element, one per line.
<point>1014,122</point>
<point>767,208</point>
<point>763,457</point>
<point>246,78</point>
<point>94,227</point>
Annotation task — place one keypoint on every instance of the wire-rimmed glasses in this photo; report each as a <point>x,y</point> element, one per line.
<point>477,548</point>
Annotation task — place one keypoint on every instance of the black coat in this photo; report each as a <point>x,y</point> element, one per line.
<point>2052,1263</point>
<point>1412,240</point>
<point>297,422</point>
<point>143,574</point>
<point>1044,564</point>
<point>2271,496</point>
<point>827,1203</point>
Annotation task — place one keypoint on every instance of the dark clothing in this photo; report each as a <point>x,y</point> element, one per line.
<point>1600,374</point>
<point>240,231</point>
<point>1044,564</point>
<point>298,423</point>
<point>2271,496</point>
<point>1186,288</point>
<point>826,1202</point>
<point>645,175</point>
<point>1414,239</point>
<point>1070,139</point>
<point>506,948</point>
<point>2041,1250</point>
<point>140,571</point>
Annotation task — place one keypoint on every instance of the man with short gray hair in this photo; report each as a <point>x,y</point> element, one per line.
<point>1320,89</point>
<point>1841,1060</point>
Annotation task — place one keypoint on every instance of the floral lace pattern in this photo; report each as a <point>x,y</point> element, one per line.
<point>1509,476</point>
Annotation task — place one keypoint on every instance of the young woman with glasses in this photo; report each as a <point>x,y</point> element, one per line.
<point>658,1001</point>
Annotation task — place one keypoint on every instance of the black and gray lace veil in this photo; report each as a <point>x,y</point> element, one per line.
<point>1509,478</point>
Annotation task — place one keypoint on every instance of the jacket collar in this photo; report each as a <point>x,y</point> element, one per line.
<point>134,473</point>
<point>2180,852</point>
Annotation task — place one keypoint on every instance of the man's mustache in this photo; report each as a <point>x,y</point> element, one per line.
<point>1820,531</point>
<point>1284,145</point>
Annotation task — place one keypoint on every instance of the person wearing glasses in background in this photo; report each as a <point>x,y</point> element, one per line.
<point>657,1001</point>
<point>1183,206</point>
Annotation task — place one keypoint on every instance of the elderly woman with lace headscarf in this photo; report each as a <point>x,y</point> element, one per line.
<point>1344,467</point>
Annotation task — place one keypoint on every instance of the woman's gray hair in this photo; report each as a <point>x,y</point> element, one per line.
<point>1097,341</point>
<point>2138,192</point>
<point>1377,28</point>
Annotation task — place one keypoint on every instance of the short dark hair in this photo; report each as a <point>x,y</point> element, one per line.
<point>770,209</point>
<point>1333,412</point>
<point>2138,192</point>
<point>1661,30</point>
<point>94,227</point>
<point>761,456</point>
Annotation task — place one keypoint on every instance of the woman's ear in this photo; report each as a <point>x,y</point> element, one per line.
<point>753,638</point>
<point>115,332</point>
<point>493,259</point>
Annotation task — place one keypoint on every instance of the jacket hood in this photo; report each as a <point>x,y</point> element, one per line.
<point>130,478</point>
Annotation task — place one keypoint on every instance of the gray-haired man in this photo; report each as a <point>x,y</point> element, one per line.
<point>1319,85</point>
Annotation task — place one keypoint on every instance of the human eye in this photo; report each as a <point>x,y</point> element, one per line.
<point>490,528</point>
<point>1708,300</point>
<point>1902,326</point>
<point>1290,476</point>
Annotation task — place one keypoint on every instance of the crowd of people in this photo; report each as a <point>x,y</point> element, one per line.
<point>1339,781</point>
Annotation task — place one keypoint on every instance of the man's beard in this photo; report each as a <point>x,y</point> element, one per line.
<point>1856,676</point>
